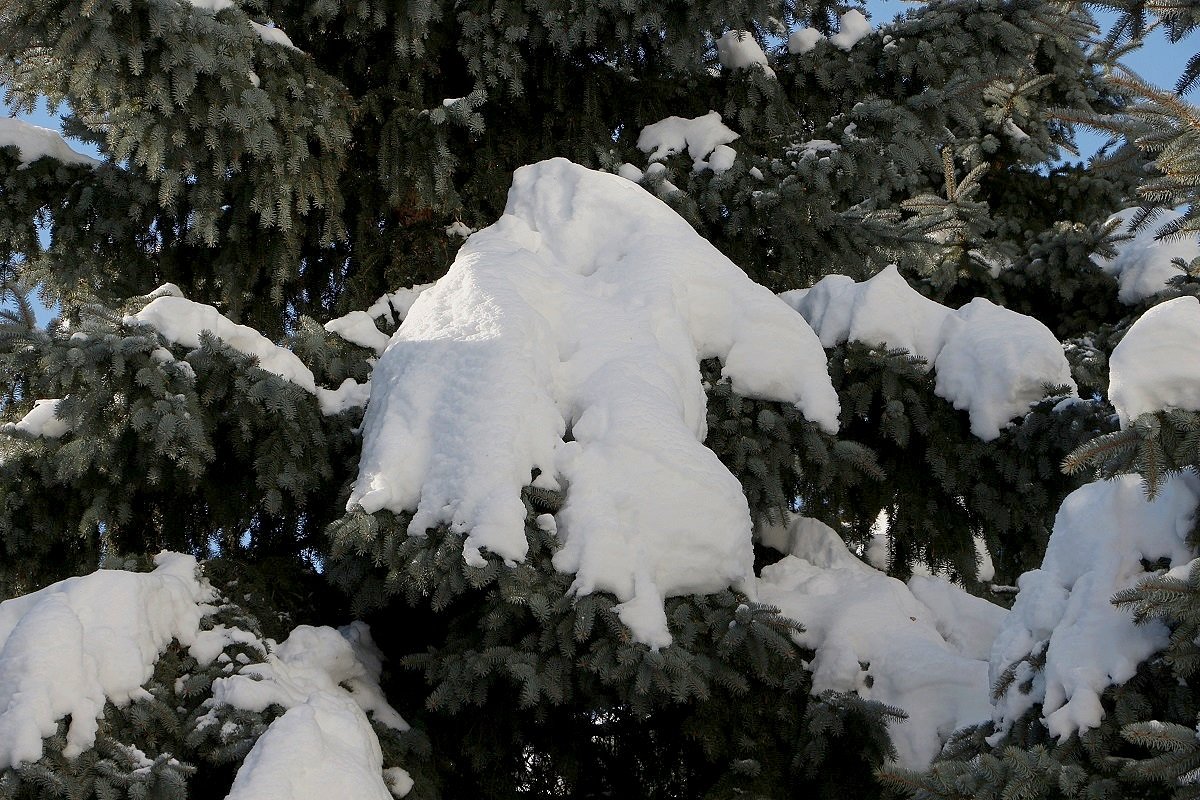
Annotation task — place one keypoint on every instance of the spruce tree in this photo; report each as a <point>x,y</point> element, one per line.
<point>279,179</point>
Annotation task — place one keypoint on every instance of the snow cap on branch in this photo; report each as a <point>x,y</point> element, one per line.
<point>564,344</point>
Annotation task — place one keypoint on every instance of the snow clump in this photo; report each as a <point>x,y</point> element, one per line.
<point>323,744</point>
<point>1143,265</point>
<point>1157,364</point>
<point>989,360</point>
<point>705,138</point>
<point>182,321</point>
<point>34,142</point>
<point>740,50</point>
<point>853,29</point>
<point>1064,614</point>
<point>562,348</point>
<point>71,647</point>
<point>921,648</point>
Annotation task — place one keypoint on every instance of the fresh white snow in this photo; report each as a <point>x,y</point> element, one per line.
<point>584,310</point>
<point>853,28</point>
<point>740,50</point>
<point>1157,363</point>
<point>323,744</point>
<point>42,420</point>
<point>924,646</point>
<point>1143,265</point>
<point>705,138</point>
<point>76,644</point>
<point>1064,607</point>
<point>182,321</point>
<point>34,142</point>
<point>358,327</point>
<point>989,360</point>
<point>803,40</point>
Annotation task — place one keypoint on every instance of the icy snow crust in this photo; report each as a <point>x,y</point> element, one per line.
<point>584,310</point>
<point>35,142</point>
<point>989,360</point>
<point>323,744</point>
<point>924,645</point>
<point>1157,364</point>
<point>1065,607</point>
<point>1143,265</point>
<point>72,646</point>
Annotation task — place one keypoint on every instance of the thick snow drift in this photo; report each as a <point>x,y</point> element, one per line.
<point>35,142</point>
<point>1157,364</point>
<point>989,360</point>
<point>565,341</point>
<point>69,648</point>
<point>1064,609</point>
<point>323,745</point>
<point>921,648</point>
<point>1143,265</point>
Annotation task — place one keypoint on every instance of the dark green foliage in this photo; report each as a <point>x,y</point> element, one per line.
<point>532,689</point>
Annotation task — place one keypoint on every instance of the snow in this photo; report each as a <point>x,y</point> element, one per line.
<point>79,643</point>
<point>358,327</point>
<point>181,321</point>
<point>1143,265</point>
<point>394,306</point>
<point>42,420</point>
<point>803,40</point>
<point>323,745</point>
<point>995,363</point>
<point>989,361</point>
<point>883,309</point>
<point>268,33</point>
<point>740,50</point>
<point>873,635</point>
<point>1157,363</point>
<point>705,138</point>
<point>34,142</point>
<point>853,29</point>
<point>1064,607</point>
<point>584,309</point>
<point>459,228</point>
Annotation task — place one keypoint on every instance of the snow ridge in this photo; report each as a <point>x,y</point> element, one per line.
<point>989,360</point>
<point>34,142</point>
<point>584,310</point>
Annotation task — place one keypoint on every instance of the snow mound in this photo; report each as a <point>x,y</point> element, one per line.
<point>182,321</point>
<point>42,420</point>
<point>990,361</point>
<point>323,744</point>
<point>1143,265</point>
<point>995,363</point>
<point>1157,364</point>
<point>740,50</point>
<point>34,142</point>
<point>852,29</point>
<point>875,636</point>
<point>69,648</point>
<point>803,40</point>
<point>584,311</point>
<point>1064,607</point>
<point>705,138</point>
